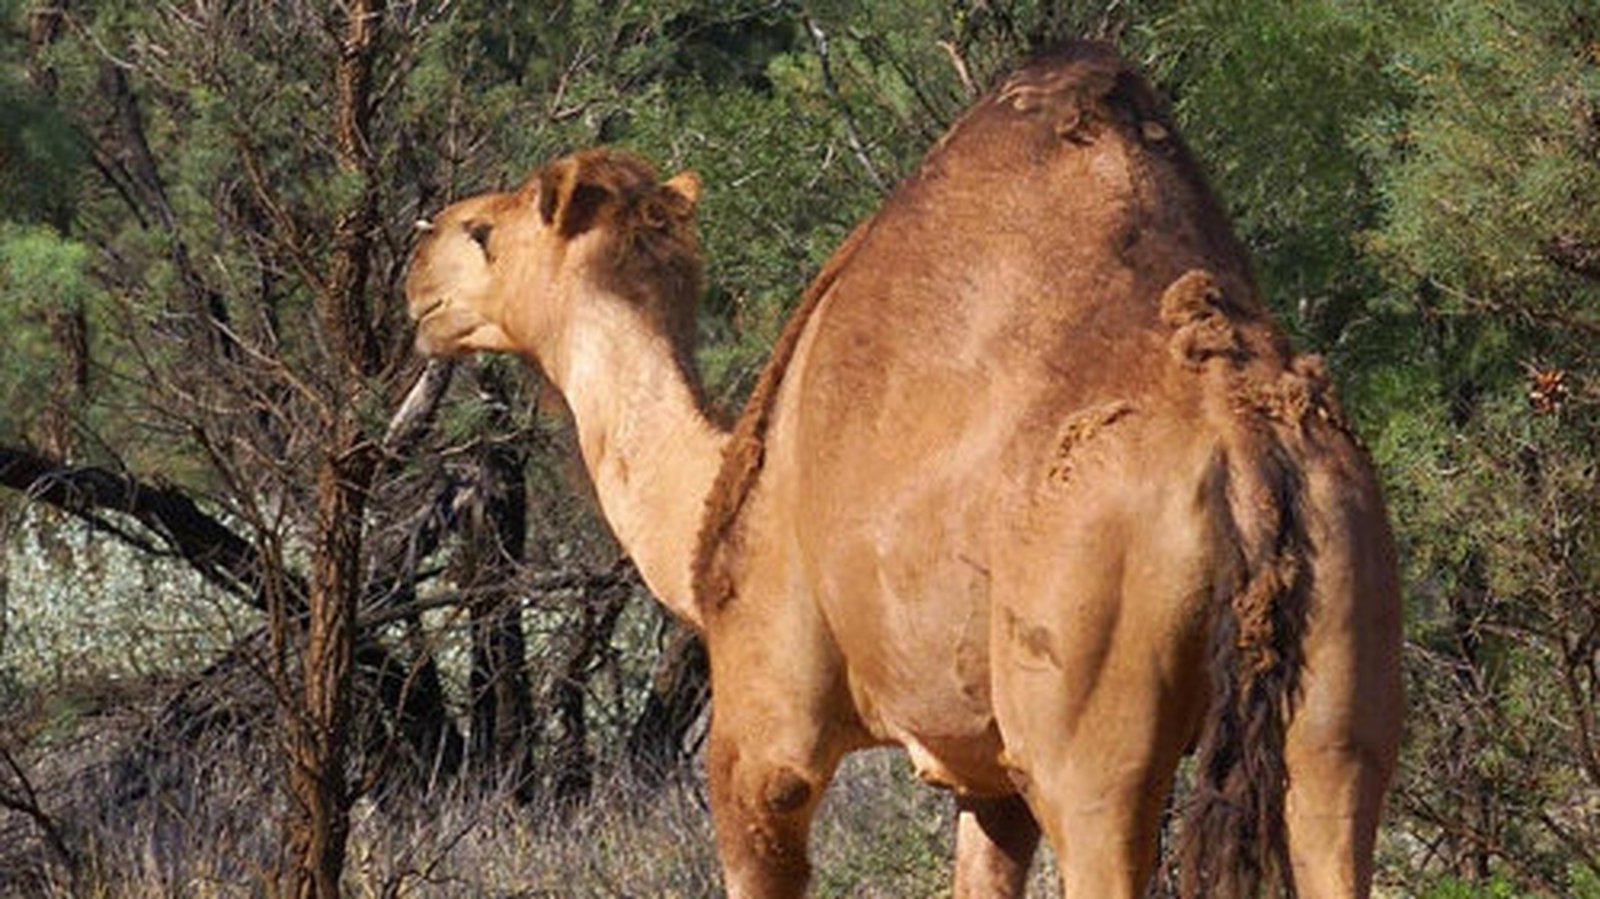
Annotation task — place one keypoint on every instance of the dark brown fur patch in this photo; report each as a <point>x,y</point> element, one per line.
<point>786,792</point>
<point>1234,841</point>
<point>1035,640</point>
<point>650,234</point>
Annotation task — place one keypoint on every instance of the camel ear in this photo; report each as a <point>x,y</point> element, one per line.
<point>684,187</point>
<point>567,201</point>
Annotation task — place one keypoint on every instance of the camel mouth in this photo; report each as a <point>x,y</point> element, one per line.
<point>419,315</point>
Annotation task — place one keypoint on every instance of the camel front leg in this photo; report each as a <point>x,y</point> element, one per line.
<point>780,723</point>
<point>764,794</point>
<point>995,841</point>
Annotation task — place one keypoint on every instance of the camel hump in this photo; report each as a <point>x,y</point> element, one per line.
<point>1080,86</point>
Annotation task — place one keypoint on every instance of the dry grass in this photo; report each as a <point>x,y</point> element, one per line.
<point>203,822</point>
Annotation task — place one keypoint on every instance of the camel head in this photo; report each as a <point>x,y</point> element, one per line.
<point>596,231</point>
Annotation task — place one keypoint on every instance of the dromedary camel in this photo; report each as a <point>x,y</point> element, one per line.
<point>1031,487</point>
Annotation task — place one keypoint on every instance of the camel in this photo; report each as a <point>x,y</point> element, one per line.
<point>1032,487</point>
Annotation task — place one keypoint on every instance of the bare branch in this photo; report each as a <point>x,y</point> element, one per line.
<point>18,795</point>
<point>286,236</point>
<point>960,67</point>
<point>415,415</point>
<point>819,40</point>
<point>1547,316</point>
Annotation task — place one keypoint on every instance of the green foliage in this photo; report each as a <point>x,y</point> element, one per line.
<point>1452,888</point>
<point>43,276</point>
<point>1492,161</point>
<point>1272,94</point>
<point>40,155</point>
<point>41,269</point>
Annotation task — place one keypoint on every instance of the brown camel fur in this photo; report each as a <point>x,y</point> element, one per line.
<point>1032,487</point>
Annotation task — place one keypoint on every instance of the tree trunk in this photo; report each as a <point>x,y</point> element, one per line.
<point>678,695</point>
<point>319,731</point>
<point>346,319</point>
<point>69,328</point>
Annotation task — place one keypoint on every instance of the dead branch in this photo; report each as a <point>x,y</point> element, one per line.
<point>210,547</point>
<point>411,421</point>
<point>18,795</point>
<point>819,40</point>
<point>1496,307</point>
<point>960,66</point>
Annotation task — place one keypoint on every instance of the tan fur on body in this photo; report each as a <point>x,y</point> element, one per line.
<point>1032,487</point>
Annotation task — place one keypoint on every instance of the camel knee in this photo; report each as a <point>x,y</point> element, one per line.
<point>785,791</point>
<point>766,787</point>
<point>762,806</point>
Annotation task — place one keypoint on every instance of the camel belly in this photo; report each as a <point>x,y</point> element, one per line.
<point>892,473</point>
<point>905,593</point>
<point>969,768</point>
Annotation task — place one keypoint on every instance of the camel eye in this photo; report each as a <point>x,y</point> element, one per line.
<point>479,232</point>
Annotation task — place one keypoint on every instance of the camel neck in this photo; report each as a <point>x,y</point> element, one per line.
<point>649,448</point>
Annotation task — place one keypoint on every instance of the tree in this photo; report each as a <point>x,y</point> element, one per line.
<point>251,323</point>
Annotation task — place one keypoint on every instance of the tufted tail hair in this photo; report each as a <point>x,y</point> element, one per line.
<point>1234,841</point>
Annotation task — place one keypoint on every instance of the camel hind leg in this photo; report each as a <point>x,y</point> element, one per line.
<point>995,842</point>
<point>1343,739</point>
<point>1097,779</point>
<point>1093,655</point>
<point>1331,811</point>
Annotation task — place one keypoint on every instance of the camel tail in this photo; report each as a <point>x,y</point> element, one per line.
<point>1234,842</point>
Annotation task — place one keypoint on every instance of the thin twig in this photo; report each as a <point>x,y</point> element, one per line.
<point>26,802</point>
<point>960,67</point>
<point>819,40</point>
<point>1496,307</point>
